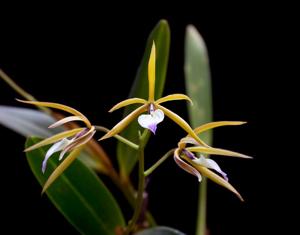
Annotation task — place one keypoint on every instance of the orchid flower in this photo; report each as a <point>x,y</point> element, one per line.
<point>187,159</point>
<point>67,141</point>
<point>156,111</point>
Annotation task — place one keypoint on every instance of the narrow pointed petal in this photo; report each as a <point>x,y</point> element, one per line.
<point>127,102</point>
<point>65,120</point>
<point>211,164</point>
<point>125,122</point>
<point>173,97</point>
<point>54,138</point>
<point>217,179</point>
<point>81,141</point>
<point>189,140</point>
<point>185,166</point>
<point>151,73</point>
<point>217,151</point>
<point>60,107</point>
<point>182,123</point>
<point>54,148</point>
<point>150,121</point>
<point>102,161</point>
<point>77,143</point>
<point>211,125</point>
<point>61,168</point>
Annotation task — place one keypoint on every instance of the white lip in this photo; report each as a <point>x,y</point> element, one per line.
<point>151,120</point>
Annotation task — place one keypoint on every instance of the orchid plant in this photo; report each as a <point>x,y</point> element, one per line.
<point>78,151</point>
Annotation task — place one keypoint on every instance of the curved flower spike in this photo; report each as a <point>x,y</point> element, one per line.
<point>156,112</point>
<point>78,137</point>
<point>187,159</point>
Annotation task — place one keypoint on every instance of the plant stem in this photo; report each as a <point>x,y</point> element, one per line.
<point>129,192</point>
<point>118,137</point>
<point>159,162</point>
<point>201,217</point>
<point>141,186</point>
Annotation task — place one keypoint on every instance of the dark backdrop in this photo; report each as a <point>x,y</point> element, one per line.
<point>87,58</point>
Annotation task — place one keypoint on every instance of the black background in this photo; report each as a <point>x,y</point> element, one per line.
<point>87,56</point>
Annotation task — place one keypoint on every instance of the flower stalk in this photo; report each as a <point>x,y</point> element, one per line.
<point>118,137</point>
<point>159,162</point>
<point>141,185</point>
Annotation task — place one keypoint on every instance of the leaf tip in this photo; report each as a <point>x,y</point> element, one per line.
<point>194,35</point>
<point>163,22</point>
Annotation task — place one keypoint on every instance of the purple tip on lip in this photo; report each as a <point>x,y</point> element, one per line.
<point>189,154</point>
<point>81,133</point>
<point>225,176</point>
<point>152,128</point>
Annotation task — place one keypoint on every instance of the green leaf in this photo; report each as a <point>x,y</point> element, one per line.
<point>127,157</point>
<point>30,122</point>
<point>78,194</point>
<point>197,80</point>
<point>198,87</point>
<point>27,122</point>
<point>160,230</point>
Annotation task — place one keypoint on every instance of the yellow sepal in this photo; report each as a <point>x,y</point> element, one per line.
<point>127,102</point>
<point>182,123</point>
<point>211,125</point>
<point>216,151</point>
<point>60,107</point>
<point>151,73</point>
<point>54,138</point>
<point>217,179</point>
<point>173,97</point>
<point>61,168</point>
<point>124,122</point>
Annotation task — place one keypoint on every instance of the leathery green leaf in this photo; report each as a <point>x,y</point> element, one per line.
<point>127,157</point>
<point>78,194</point>
<point>197,80</point>
<point>198,88</point>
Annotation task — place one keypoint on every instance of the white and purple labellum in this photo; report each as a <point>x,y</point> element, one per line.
<point>150,121</point>
<point>211,164</point>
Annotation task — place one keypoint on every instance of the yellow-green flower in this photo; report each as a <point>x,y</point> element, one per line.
<point>68,141</point>
<point>156,111</point>
<point>186,157</point>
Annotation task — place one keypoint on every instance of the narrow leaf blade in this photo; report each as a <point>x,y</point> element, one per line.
<point>198,88</point>
<point>197,80</point>
<point>78,194</point>
<point>27,122</point>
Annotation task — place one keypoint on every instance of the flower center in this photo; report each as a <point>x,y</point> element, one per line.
<point>151,109</point>
<point>189,154</point>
